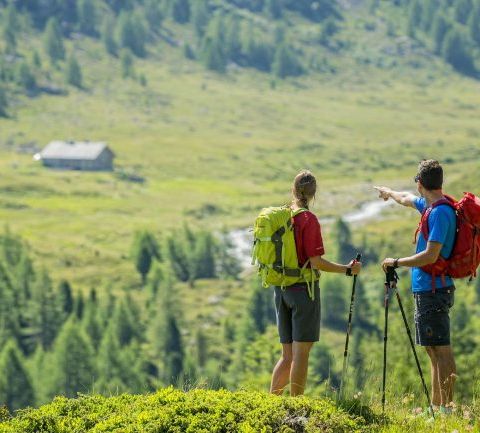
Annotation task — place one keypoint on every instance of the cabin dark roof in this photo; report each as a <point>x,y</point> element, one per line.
<point>85,150</point>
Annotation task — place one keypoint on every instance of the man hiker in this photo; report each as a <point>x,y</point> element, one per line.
<point>298,310</point>
<point>434,295</point>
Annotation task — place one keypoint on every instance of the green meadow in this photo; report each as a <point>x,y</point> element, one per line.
<point>215,149</point>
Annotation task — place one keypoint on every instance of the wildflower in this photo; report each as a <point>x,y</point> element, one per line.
<point>417,411</point>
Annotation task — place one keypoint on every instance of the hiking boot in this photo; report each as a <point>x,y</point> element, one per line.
<point>445,411</point>
<point>426,413</point>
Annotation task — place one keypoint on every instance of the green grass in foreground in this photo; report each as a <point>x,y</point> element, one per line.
<point>198,411</point>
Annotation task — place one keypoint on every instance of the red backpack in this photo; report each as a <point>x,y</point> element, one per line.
<point>465,257</point>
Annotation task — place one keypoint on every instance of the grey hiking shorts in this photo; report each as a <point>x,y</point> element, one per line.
<point>298,316</point>
<point>432,321</point>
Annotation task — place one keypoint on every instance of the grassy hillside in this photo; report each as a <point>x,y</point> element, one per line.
<point>197,411</point>
<point>214,150</point>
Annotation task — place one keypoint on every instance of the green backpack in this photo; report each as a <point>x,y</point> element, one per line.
<point>274,250</point>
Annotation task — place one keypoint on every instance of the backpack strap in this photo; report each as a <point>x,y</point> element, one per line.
<point>425,230</point>
<point>423,224</point>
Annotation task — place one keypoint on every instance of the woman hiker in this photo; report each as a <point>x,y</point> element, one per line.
<point>298,314</point>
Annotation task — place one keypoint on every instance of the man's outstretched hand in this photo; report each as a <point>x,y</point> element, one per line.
<point>383,192</point>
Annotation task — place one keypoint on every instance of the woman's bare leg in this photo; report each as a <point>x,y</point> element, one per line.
<point>281,372</point>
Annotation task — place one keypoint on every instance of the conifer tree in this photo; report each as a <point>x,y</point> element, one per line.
<point>87,17</point>
<point>474,23</point>
<point>179,261</point>
<point>200,17</point>
<point>79,306</point>
<point>16,388</point>
<point>322,363</point>
<point>202,348</point>
<point>462,10</point>
<point>334,303</point>
<point>126,60</point>
<point>54,41</point>
<point>274,8</point>
<point>109,363</point>
<point>477,288</point>
<point>107,36</point>
<point>74,363</point>
<point>47,316</point>
<point>10,27</point>
<point>68,12</point>
<point>456,51</point>
<point>343,236</point>
<point>9,318</point>
<point>213,57</point>
<point>429,9</point>
<point>440,28</point>
<point>260,308</point>
<point>233,44</point>
<point>205,256</point>
<point>153,14</point>
<point>3,102</point>
<point>73,72</point>
<point>92,325</point>
<point>180,11</point>
<point>36,60</point>
<point>145,249</point>
<point>284,63</point>
<point>415,16</point>
<point>131,33</point>
<point>65,298</point>
<point>25,77</point>
<point>123,323</point>
<point>173,350</point>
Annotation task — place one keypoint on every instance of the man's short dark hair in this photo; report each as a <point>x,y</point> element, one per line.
<point>430,174</point>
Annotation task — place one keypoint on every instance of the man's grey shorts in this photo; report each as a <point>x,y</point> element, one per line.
<point>298,316</point>
<point>432,322</point>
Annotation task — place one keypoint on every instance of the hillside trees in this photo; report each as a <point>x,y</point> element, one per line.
<point>440,28</point>
<point>74,362</point>
<point>108,36</point>
<point>180,10</point>
<point>200,17</point>
<point>273,8</point>
<point>9,32</point>
<point>285,63</point>
<point>25,77</point>
<point>53,41</point>
<point>457,51</point>
<point>131,33</point>
<point>474,23</point>
<point>145,250</point>
<point>73,73</point>
<point>16,388</point>
<point>153,14</point>
<point>87,17</point>
<point>3,102</point>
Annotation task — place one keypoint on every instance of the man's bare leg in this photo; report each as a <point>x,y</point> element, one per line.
<point>281,372</point>
<point>299,369</point>
<point>447,371</point>
<point>436,394</point>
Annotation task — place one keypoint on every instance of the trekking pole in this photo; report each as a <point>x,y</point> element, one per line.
<point>385,338</point>
<point>349,328</point>
<point>415,353</point>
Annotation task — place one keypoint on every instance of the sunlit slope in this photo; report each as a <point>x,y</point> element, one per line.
<point>214,149</point>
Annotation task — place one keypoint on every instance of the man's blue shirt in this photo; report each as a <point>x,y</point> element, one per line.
<point>442,226</point>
